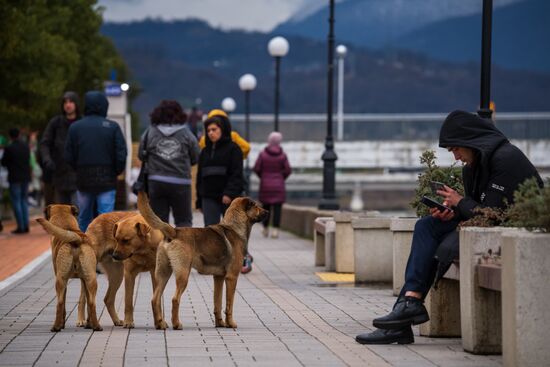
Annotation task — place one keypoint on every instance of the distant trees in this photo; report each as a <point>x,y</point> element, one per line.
<point>46,48</point>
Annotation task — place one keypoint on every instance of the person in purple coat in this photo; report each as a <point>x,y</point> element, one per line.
<point>273,168</point>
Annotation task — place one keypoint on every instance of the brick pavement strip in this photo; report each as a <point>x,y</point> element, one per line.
<point>285,317</point>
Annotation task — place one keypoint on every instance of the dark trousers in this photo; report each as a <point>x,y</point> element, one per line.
<point>275,213</point>
<point>212,210</point>
<point>65,197</point>
<point>165,196</point>
<point>428,234</point>
<point>19,193</point>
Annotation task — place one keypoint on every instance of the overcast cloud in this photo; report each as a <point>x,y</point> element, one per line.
<point>261,15</point>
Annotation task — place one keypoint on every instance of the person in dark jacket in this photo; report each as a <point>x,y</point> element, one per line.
<point>96,150</point>
<point>55,169</point>
<point>493,170</point>
<point>16,159</point>
<point>273,169</point>
<point>171,151</point>
<point>220,172</point>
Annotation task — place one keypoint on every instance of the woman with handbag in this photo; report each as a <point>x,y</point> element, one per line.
<point>168,149</point>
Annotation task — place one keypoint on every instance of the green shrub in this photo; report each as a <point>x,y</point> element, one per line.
<point>450,176</point>
<point>531,208</point>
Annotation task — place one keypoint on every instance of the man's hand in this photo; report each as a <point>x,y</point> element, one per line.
<point>226,200</point>
<point>445,216</point>
<point>452,198</point>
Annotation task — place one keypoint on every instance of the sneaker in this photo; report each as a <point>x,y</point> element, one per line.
<point>265,231</point>
<point>274,233</point>
<point>247,265</point>
<point>18,231</point>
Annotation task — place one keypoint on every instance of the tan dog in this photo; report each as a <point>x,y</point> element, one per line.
<point>216,250</point>
<point>72,258</point>
<point>119,236</point>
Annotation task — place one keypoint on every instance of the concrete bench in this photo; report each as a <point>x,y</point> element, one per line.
<point>373,249</point>
<point>323,238</point>
<point>300,219</point>
<point>525,292</point>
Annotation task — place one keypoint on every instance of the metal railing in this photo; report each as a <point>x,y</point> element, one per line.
<point>377,127</point>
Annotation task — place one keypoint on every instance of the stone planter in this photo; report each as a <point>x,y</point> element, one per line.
<point>480,308</point>
<point>525,294</point>
<point>402,231</point>
<point>343,236</point>
<point>373,249</point>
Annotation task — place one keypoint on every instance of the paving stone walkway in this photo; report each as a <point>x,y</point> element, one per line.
<point>286,316</point>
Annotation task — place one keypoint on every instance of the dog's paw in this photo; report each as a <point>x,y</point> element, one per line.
<point>128,324</point>
<point>230,324</point>
<point>162,325</point>
<point>80,323</point>
<point>56,328</point>
<point>220,323</point>
<point>98,328</point>
<point>118,322</point>
<point>178,326</point>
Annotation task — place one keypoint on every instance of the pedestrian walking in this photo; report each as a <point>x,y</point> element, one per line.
<point>195,118</point>
<point>169,149</point>
<point>16,159</point>
<point>235,137</point>
<point>220,172</point>
<point>52,147</point>
<point>273,169</point>
<point>96,150</point>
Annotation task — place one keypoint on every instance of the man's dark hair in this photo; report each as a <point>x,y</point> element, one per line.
<point>168,112</point>
<point>13,133</point>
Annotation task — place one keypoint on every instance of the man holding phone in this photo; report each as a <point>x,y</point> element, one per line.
<point>493,169</point>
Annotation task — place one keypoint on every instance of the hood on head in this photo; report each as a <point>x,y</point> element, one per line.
<point>223,123</point>
<point>95,103</point>
<point>168,130</point>
<point>72,96</point>
<point>464,129</point>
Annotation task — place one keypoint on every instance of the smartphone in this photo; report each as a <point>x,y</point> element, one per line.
<point>436,185</point>
<point>434,204</point>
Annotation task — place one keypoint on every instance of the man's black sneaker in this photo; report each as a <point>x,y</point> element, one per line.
<point>407,311</point>
<point>380,336</point>
<point>18,231</point>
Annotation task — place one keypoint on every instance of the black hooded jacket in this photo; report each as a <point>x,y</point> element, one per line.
<point>52,147</point>
<point>95,147</point>
<point>220,169</point>
<point>499,167</point>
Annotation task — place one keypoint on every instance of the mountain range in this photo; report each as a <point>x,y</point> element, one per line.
<point>186,60</point>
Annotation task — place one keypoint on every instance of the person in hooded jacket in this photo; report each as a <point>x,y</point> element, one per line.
<point>171,151</point>
<point>235,137</point>
<point>493,169</point>
<point>96,150</point>
<point>272,168</point>
<point>56,171</point>
<point>220,172</point>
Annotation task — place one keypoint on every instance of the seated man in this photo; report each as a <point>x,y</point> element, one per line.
<point>493,170</point>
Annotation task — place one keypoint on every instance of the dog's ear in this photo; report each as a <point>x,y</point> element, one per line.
<point>47,212</point>
<point>250,204</point>
<point>142,229</point>
<point>115,227</point>
<point>74,210</point>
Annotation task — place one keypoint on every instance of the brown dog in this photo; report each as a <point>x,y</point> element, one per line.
<point>72,258</point>
<point>216,250</point>
<point>119,236</point>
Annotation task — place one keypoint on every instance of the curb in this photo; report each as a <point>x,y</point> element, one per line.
<point>26,270</point>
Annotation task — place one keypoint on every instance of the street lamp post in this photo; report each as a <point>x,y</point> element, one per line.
<point>329,157</point>
<point>228,104</point>
<point>247,83</point>
<point>485,94</point>
<point>341,52</point>
<point>278,48</point>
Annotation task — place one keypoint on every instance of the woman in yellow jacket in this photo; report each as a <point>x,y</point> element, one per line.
<point>237,139</point>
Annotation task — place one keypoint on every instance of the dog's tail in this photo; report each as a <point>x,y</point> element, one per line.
<point>152,219</point>
<point>60,233</point>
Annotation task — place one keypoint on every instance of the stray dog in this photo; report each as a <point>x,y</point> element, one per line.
<point>124,245</point>
<point>72,258</point>
<point>216,250</point>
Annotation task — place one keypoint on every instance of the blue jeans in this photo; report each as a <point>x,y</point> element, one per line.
<point>104,201</point>
<point>428,234</point>
<point>19,193</point>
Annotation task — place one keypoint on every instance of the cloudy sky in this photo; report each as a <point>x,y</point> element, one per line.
<point>261,15</point>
